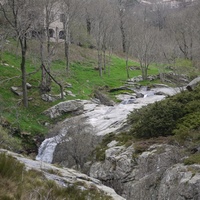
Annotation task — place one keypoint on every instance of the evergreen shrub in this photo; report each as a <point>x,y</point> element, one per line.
<point>175,115</point>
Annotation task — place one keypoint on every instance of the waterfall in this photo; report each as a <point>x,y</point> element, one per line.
<point>46,150</point>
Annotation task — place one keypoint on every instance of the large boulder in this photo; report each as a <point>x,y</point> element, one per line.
<point>75,106</point>
<point>193,83</point>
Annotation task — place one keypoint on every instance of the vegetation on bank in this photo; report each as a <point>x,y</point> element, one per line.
<point>175,120</point>
<point>18,183</point>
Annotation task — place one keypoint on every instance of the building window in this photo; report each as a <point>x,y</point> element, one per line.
<point>61,35</point>
<point>51,33</point>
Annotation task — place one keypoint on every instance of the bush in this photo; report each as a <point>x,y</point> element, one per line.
<point>176,115</point>
<point>188,122</point>
<point>158,119</point>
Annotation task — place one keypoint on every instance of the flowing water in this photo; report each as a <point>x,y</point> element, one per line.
<point>104,119</point>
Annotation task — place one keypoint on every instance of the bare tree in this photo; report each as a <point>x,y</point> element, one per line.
<point>89,18</point>
<point>124,8</point>
<point>19,16</point>
<point>144,45</point>
<point>104,25</point>
<point>69,11</point>
<point>183,32</point>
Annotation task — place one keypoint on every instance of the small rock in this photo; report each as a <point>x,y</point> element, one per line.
<point>17,90</point>
<point>68,85</point>
<point>70,93</point>
<point>28,85</point>
<point>139,95</point>
<point>25,133</point>
<point>47,98</point>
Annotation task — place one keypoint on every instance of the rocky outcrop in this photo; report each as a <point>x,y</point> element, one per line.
<point>64,176</point>
<point>180,182</point>
<point>64,107</point>
<point>155,174</point>
<point>149,171</point>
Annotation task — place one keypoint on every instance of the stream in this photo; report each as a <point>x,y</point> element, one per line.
<point>104,119</point>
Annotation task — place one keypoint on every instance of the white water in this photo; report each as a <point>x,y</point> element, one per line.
<point>104,119</point>
<point>47,148</point>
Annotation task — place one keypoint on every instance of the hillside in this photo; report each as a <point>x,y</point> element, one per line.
<point>163,140</point>
<point>28,125</point>
<point>95,102</point>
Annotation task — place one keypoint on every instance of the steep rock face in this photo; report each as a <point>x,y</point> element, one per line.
<point>136,177</point>
<point>116,169</point>
<point>180,182</point>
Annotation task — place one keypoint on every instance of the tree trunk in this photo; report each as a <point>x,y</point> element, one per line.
<point>48,79</point>
<point>89,25</point>
<point>144,73</point>
<point>45,82</point>
<point>109,60</point>
<point>100,62</point>
<point>104,60</point>
<point>67,41</point>
<point>127,68</point>
<point>67,56</point>
<point>122,32</point>
<point>23,69</point>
